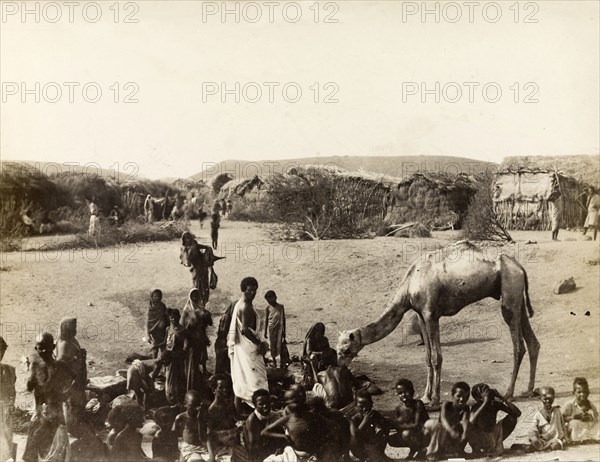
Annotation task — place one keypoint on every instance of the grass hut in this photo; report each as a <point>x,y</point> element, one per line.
<point>523,186</point>
<point>436,199</point>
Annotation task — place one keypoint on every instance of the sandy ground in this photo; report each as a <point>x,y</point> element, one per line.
<point>343,283</point>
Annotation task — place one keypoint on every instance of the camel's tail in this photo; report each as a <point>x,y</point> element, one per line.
<point>526,295</point>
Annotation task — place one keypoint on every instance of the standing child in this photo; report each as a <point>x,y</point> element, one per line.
<point>214,229</point>
<point>369,430</point>
<point>174,359</point>
<point>580,415</point>
<point>549,431</point>
<point>157,322</point>
<point>411,416</point>
<point>223,432</point>
<point>191,424</point>
<point>275,327</point>
<point>487,435</point>
<point>165,443</point>
<point>449,435</point>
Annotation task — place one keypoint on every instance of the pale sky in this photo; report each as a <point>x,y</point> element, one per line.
<point>374,59</point>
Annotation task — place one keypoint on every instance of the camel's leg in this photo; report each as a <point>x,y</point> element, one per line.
<point>533,348</point>
<point>518,353</point>
<point>427,340</point>
<point>433,327</point>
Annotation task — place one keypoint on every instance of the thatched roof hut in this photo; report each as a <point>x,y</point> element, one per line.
<point>521,198</point>
<point>436,199</point>
<point>585,169</point>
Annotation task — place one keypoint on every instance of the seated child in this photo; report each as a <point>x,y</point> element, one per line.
<point>411,416</point>
<point>449,435</point>
<point>165,443</point>
<point>88,447</point>
<point>222,429</point>
<point>128,443</point>
<point>115,423</point>
<point>339,429</point>
<point>549,431</point>
<point>304,433</point>
<point>486,436</point>
<point>191,425</point>
<point>580,415</point>
<point>259,447</point>
<point>369,430</point>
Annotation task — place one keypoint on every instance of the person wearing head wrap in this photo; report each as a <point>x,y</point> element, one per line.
<point>174,359</point>
<point>200,259</point>
<point>69,351</point>
<point>8,377</point>
<point>195,319</point>
<point>157,322</point>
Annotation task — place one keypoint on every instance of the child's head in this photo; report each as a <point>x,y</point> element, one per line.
<point>174,316</point>
<point>271,297</point>
<point>364,401</point>
<point>405,390</point>
<point>478,391</point>
<point>195,295</point>
<point>547,396</point>
<point>262,401</point>
<point>460,393</point>
<point>581,389</point>
<point>317,404</point>
<point>156,295</point>
<point>222,386</point>
<point>192,400</point>
<point>295,395</point>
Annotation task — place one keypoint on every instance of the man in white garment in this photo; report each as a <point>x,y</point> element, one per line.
<point>246,348</point>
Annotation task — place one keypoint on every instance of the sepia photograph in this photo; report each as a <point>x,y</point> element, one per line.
<point>299,231</point>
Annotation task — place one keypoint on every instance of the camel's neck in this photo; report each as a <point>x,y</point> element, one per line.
<point>388,320</point>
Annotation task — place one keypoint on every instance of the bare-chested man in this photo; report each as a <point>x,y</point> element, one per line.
<point>246,348</point>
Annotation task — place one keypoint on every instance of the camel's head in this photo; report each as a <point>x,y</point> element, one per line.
<point>348,346</point>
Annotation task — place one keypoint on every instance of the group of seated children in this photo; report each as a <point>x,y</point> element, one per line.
<point>309,430</point>
<point>460,424</point>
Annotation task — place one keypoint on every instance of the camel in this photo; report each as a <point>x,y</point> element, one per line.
<point>441,284</point>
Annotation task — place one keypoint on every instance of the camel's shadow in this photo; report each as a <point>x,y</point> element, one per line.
<point>467,340</point>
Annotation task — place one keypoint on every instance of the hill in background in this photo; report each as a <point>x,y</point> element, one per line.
<point>396,166</point>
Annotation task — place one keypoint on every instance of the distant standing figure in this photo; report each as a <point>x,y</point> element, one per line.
<point>93,208</point>
<point>148,208</point>
<point>555,210</point>
<point>275,326</point>
<point>201,216</point>
<point>216,206</point>
<point>214,229</point>
<point>229,205</point>
<point>593,206</point>
<point>200,259</point>
<point>223,207</point>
